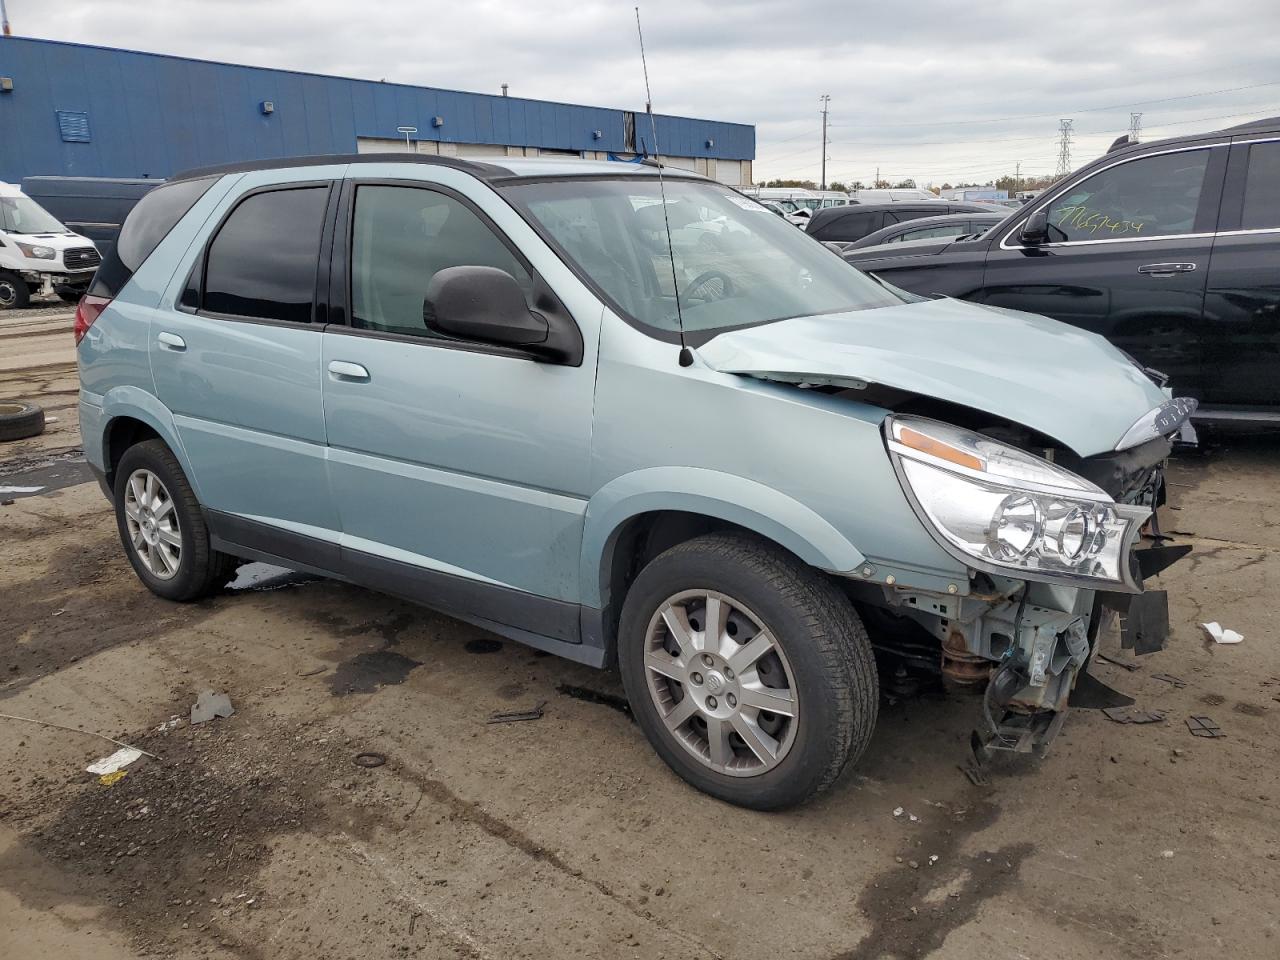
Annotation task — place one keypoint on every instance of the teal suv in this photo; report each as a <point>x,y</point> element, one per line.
<point>627,416</point>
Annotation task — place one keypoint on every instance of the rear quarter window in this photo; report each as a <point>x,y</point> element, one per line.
<point>148,223</point>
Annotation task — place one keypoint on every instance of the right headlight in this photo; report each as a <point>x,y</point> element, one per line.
<point>1000,509</point>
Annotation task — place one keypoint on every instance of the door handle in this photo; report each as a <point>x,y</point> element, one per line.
<point>1166,269</point>
<point>171,341</point>
<point>346,370</point>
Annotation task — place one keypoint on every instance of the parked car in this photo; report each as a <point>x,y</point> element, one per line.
<point>92,206</point>
<point>497,389</point>
<point>929,228</point>
<point>1167,248</point>
<point>895,195</point>
<point>853,222</point>
<point>38,253</point>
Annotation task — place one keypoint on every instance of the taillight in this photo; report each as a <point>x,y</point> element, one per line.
<point>87,311</point>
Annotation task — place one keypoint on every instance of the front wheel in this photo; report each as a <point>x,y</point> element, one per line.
<point>749,672</point>
<point>162,527</point>
<point>14,294</point>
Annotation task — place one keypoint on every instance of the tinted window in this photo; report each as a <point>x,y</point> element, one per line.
<point>401,237</point>
<point>1148,197</point>
<point>1262,187</point>
<point>847,228</point>
<point>147,224</point>
<point>262,263</point>
<point>952,230</point>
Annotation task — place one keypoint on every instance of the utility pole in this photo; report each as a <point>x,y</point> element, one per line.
<point>1017,177</point>
<point>876,182</point>
<point>1135,125</point>
<point>1064,148</point>
<point>4,19</point>
<point>504,89</point>
<point>825,100</point>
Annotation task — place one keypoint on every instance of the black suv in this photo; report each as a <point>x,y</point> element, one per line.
<point>855,221</point>
<point>1170,249</point>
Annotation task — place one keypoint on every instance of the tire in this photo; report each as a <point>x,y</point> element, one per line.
<point>177,564</point>
<point>20,419</point>
<point>819,644</point>
<point>14,294</point>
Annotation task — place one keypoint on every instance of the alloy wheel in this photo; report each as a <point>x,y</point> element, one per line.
<point>721,683</point>
<point>152,523</point>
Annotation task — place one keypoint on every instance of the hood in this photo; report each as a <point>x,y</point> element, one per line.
<point>55,241</point>
<point>1066,383</point>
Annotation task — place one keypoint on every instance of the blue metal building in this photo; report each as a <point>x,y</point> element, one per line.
<point>75,110</point>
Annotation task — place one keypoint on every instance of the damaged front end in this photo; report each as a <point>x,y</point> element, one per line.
<point>1054,552</point>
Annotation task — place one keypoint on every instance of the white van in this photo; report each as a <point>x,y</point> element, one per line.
<point>38,253</point>
<point>895,195</point>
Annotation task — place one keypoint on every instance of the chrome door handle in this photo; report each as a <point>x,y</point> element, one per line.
<point>346,370</point>
<point>1166,269</point>
<point>171,341</point>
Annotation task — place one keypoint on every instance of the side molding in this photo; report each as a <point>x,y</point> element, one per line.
<point>714,494</point>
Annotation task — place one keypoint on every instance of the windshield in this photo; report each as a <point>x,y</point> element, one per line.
<point>24,215</point>
<point>736,265</point>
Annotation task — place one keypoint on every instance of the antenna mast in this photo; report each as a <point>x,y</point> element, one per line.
<point>686,357</point>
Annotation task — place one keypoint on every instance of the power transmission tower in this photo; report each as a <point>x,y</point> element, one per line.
<point>826,99</point>
<point>1135,127</point>
<point>1064,148</point>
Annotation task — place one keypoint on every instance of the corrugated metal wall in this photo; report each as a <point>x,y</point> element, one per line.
<point>152,115</point>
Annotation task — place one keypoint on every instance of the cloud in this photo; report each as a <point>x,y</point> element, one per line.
<point>925,88</point>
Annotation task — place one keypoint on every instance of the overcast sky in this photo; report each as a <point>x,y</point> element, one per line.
<point>929,89</point>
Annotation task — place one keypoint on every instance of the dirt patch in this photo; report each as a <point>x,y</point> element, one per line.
<point>174,845</point>
<point>912,907</point>
<point>88,600</point>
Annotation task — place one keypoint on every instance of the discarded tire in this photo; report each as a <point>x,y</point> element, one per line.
<point>19,420</point>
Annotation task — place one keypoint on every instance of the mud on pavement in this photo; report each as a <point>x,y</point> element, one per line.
<point>257,835</point>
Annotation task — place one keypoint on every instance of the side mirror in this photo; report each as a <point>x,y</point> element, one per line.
<point>481,303</point>
<point>1035,230</point>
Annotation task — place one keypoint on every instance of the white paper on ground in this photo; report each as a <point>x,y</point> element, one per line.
<point>20,489</point>
<point>1221,634</point>
<point>117,761</point>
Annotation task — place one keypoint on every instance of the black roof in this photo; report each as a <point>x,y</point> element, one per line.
<point>829,215</point>
<point>1270,123</point>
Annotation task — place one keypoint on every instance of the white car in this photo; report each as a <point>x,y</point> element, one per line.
<point>38,253</point>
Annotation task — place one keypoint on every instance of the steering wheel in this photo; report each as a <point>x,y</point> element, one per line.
<point>712,285</point>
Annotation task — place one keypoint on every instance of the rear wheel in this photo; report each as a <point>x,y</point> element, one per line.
<point>162,527</point>
<point>14,294</point>
<point>748,671</point>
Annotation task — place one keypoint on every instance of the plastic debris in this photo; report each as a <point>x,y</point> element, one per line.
<point>107,779</point>
<point>1133,715</point>
<point>171,724</point>
<point>1204,727</point>
<point>898,811</point>
<point>116,761</point>
<point>209,705</point>
<point>1221,634</point>
<point>20,489</point>
<point>1167,854</point>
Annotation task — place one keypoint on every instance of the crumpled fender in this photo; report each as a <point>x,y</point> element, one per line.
<point>749,504</point>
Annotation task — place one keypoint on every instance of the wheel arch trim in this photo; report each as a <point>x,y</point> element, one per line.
<point>711,493</point>
<point>133,403</point>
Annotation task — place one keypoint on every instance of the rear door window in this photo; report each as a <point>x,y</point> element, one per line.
<point>1262,187</point>
<point>147,224</point>
<point>1154,196</point>
<point>262,263</point>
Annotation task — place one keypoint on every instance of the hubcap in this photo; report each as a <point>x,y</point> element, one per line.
<point>8,294</point>
<point>721,683</point>
<point>152,523</point>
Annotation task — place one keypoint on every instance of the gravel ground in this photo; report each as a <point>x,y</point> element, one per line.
<point>258,836</point>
